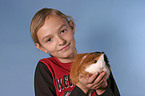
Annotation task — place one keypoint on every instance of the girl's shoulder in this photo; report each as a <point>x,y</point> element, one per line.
<point>48,60</point>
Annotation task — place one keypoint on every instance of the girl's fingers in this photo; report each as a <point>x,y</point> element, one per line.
<point>93,82</point>
<point>101,84</point>
<point>96,78</point>
<point>98,85</point>
<point>100,77</point>
<point>83,79</point>
<point>93,77</point>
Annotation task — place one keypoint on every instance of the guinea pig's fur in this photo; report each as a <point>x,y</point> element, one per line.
<point>82,62</point>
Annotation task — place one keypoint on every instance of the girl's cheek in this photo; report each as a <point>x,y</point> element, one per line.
<point>70,36</point>
<point>53,47</point>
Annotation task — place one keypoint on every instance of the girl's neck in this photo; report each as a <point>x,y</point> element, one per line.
<point>68,59</point>
<point>65,60</point>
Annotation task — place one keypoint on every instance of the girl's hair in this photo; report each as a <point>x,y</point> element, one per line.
<point>39,20</point>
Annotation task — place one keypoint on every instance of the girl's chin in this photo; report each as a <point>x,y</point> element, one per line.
<point>66,55</point>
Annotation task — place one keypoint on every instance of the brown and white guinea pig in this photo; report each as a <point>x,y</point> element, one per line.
<point>88,64</point>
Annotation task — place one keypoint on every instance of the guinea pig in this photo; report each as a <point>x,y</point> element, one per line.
<point>88,64</point>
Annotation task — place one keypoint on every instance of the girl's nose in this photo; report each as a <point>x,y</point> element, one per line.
<point>61,41</point>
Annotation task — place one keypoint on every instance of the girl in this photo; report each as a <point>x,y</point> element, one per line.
<point>53,33</point>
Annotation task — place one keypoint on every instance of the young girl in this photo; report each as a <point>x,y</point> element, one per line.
<point>53,33</point>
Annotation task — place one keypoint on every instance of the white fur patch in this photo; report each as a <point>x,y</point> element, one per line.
<point>99,66</point>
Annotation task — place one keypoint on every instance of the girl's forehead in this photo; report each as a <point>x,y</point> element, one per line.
<point>53,23</point>
<point>55,18</point>
<point>52,26</point>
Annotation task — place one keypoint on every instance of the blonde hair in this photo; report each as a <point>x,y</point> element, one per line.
<point>39,19</point>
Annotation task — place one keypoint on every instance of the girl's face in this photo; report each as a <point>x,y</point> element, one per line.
<point>56,36</point>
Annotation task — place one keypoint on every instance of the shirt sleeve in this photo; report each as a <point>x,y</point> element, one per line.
<point>77,92</point>
<point>43,81</point>
<point>112,89</point>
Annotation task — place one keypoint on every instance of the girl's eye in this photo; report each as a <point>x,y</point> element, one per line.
<point>49,40</point>
<point>63,31</point>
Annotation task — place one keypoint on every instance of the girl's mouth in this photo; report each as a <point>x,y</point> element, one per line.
<point>64,48</point>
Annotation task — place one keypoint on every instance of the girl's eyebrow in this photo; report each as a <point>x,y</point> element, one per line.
<point>45,37</point>
<point>61,26</point>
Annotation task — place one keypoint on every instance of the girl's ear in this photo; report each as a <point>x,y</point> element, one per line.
<point>40,47</point>
<point>71,24</point>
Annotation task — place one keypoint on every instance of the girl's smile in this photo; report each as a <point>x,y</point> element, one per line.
<point>65,48</point>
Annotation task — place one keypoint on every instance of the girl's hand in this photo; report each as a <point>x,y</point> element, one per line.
<point>96,82</point>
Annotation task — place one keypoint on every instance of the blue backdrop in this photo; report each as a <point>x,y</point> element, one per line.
<point>116,27</point>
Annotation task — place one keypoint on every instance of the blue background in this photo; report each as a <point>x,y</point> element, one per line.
<point>116,27</point>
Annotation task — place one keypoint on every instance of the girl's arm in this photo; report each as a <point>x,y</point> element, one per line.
<point>43,82</point>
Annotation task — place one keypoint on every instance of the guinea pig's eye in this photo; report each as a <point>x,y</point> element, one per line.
<point>95,61</point>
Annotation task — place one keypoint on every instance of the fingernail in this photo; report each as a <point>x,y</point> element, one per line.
<point>104,73</point>
<point>87,75</point>
<point>96,73</point>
